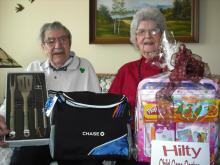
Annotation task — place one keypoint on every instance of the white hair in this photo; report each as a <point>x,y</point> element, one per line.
<point>145,14</point>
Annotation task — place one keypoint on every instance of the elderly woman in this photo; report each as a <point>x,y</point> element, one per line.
<point>146,29</point>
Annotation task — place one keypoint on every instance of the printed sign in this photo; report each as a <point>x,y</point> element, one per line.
<point>179,153</point>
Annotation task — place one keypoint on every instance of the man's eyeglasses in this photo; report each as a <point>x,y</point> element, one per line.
<point>52,41</point>
<point>152,32</point>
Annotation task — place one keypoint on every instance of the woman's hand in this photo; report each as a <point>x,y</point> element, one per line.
<point>3,131</point>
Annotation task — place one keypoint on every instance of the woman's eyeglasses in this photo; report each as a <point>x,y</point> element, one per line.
<point>52,41</point>
<point>152,32</point>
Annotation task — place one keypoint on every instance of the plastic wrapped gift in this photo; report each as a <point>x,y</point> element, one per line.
<point>195,111</point>
<point>183,95</point>
<point>25,116</point>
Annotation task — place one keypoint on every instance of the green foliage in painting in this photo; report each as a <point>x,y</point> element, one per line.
<point>116,23</point>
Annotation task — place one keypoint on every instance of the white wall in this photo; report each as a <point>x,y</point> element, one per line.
<point>19,34</point>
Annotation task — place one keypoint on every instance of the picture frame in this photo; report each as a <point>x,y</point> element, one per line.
<point>101,32</point>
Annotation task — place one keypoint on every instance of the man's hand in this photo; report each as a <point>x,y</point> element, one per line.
<point>3,131</point>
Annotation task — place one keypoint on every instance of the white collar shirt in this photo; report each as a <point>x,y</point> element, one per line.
<point>79,75</point>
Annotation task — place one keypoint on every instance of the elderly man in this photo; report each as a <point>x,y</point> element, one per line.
<point>64,71</point>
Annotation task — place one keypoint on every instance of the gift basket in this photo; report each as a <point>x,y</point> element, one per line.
<point>181,105</point>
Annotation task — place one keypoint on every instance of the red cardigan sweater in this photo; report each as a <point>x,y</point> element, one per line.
<point>128,78</point>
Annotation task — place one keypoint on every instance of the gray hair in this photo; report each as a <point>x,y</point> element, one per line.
<point>145,14</point>
<point>54,26</point>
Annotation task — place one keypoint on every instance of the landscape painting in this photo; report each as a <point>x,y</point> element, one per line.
<point>110,19</point>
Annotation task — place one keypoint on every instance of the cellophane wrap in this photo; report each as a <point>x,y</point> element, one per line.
<point>178,105</point>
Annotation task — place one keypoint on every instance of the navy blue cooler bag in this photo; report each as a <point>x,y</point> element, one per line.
<point>87,125</point>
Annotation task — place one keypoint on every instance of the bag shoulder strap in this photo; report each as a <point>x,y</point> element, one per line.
<point>67,99</point>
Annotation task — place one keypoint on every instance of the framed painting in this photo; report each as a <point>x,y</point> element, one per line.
<point>109,20</point>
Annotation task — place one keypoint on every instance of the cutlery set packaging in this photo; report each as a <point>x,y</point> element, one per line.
<point>25,116</point>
